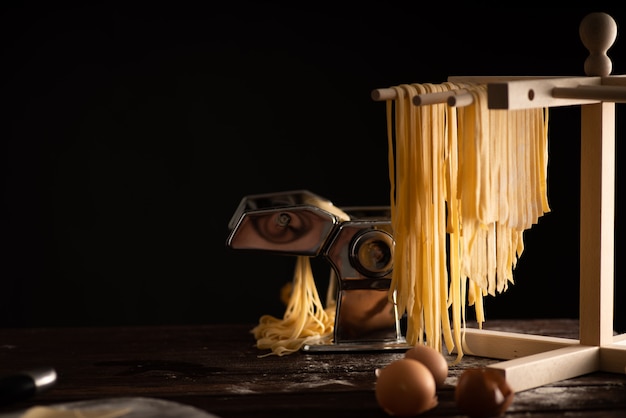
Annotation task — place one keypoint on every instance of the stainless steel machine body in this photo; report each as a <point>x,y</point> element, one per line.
<point>357,242</point>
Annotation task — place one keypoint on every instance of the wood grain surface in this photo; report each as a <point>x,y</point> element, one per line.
<point>217,368</point>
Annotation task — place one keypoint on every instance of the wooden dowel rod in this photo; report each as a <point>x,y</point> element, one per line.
<point>602,93</point>
<point>459,100</point>
<point>425,98</point>
<point>434,98</point>
<point>381,95</point>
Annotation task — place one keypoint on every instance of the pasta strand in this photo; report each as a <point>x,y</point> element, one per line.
<point>465,184</point>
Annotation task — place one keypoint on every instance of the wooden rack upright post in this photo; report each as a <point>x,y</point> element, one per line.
<point>534,360</point>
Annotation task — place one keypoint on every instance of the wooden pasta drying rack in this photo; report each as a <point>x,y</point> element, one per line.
<point>534,360</point>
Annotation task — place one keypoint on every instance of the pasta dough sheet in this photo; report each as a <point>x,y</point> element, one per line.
<point>123,407</point>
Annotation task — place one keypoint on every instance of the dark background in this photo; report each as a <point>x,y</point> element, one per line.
<point>130,134</point>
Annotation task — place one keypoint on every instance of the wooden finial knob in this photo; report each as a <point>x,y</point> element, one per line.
<point>598,32</point>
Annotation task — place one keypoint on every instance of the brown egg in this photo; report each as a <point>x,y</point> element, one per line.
<point>431,358</point>
<point>405,388</point>
<point>482,393</point>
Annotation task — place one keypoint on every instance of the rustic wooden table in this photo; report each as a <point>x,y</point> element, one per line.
<point>217,368</point>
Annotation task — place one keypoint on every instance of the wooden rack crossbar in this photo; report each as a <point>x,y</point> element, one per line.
<point>525,94</point>
<point>532,360</point>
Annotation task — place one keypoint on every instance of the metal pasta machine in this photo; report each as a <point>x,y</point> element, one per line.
<point>357,242</point>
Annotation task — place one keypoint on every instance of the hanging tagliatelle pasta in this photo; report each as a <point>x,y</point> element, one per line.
<point>466,183</point>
